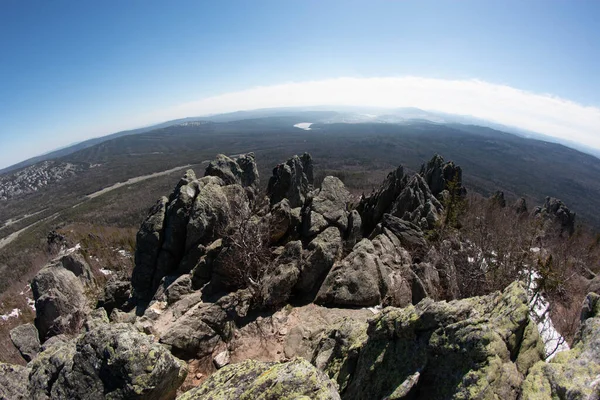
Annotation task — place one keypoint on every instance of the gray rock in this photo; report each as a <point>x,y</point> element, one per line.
<point>280,220</point>
<point>323,252</point>
<point>331,201</point>
<point>60,302</point>
<point>75,262</point>
<point>109,362</point>
<point>13,382</point>
<point>354,232</point>
<point>417,204</point>
<point>149,240</point>
<point>313,223</point>
<point>295,379</point>
<point>282,277</point>
<point>410,235</point>
<point>96,318</point>
<point>372,207</point>
<point>438,175</point>
<point>116,294</point>
<point>241,171</point>
<point>374,272</point>
<point>556,211</point>
<point>179,288</point>
<point>291,180</point>
<point>498,199</point>
<point>203,270</point>
<point>221,359</point>
<point>520,206</point>
<point>26,339</point>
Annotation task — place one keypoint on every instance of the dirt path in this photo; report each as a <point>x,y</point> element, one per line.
<point>135,180</point>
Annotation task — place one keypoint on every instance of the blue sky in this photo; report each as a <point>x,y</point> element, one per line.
<point>71,70</point>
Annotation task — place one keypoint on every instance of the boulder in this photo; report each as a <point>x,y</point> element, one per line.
<point>26,339</point>
<point>473,348</point>
<point>410,235</point>
<point>75,262</point>
<point>282,277</point>
<point>13,382</point>
<point>116,294</point>
<point>331,201</point>
<point>322,252</point>
<point>291,180</point>
<point>257,380</point>
<point>417,204</point>
<point>108,362</point>
<point>60,301</point>
<point>374,272</point>
<point>280,220</point>
<point>241,170</point>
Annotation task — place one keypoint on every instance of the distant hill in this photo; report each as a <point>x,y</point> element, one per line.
<point>316,114</point>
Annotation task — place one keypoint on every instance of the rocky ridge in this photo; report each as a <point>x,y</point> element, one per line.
<point>236,297</point>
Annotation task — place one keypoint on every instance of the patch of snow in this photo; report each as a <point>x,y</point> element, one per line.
<point>304,125</point>
<point>375,310</point>
<point>471,259</point>
<point>106,271</point>
<point>31,303</point>
<point>124,253</point>
<point>539,312</point>
<point>13,314</point>
<point>70,250</point>
<point>535,249</point>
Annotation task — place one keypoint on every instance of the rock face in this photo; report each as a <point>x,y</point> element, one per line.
<point>291,180</point>
<point>555,210</point>
<point>439,174</point>
<point>472,348</point>
<point>116,293</point>
<point>296,379</point>
<point>109,362</point>
<point>571,374</point>
<point>60,302</point>
<point>26,339</point>
<point>13,382</point>
<point>375,272</point>
<point>177,229</point>
<point>408,198</point>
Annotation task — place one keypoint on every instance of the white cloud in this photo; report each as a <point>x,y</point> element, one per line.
<point>503,104</point>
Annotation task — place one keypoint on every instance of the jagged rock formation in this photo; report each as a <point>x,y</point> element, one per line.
<point>408,198</point>
<point>556,211</point>
<point>177,230</point>
<point>520,206</point>
<point>296,379</point>
<point>498,199</point>
<point>439,175</point>
<point>291,180</point>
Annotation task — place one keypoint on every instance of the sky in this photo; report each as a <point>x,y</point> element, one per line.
<point>71,70</point>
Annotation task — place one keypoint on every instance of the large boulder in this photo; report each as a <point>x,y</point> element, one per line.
<point>410,235</point>
<point>291,180</point>
<point>26,339</point>
<point>375,272</point>
<point>241,170</point>
<point>60,301</point>
<point>322,252</point>
<point>473,348</point>
<point>571,374</point>
<point>257,380</point>
<point>331,201</point>
<point>280,279</point>
<point>108,362</point>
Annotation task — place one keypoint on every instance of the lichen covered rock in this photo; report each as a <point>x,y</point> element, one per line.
<point>256,380</point>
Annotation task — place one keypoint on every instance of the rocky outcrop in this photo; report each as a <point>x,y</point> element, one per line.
<point>291,180</point>
<point>174,235</point>
<point>556,211</point>
<point>473,348</point>
<point>571,374</point>
<point>26,339</point>
<point>440,175</point>
<point>296,379</point>
<point>408,198</point>
<point>498,199</point>
<point>108,362</point>
<point>520,206</point>
<point>375,272</point>
<point>116,294</point>
<point>60,301</point>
